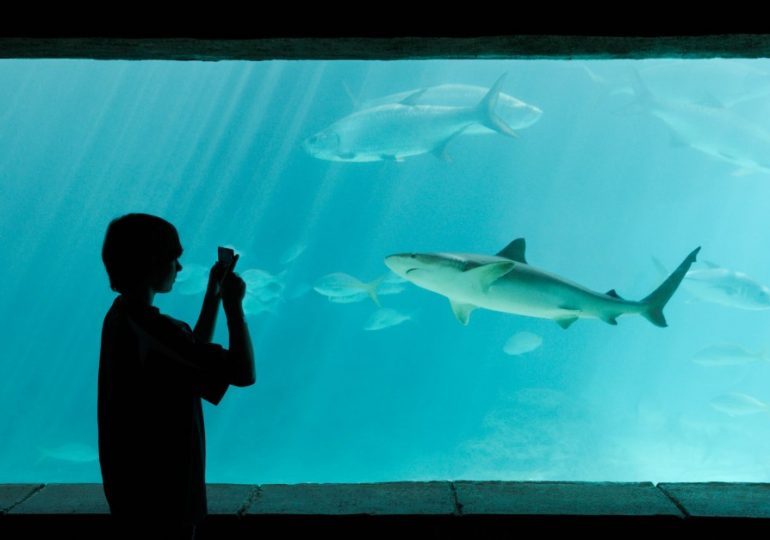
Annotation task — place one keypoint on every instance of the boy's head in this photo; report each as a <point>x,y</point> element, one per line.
<point>138,250</point>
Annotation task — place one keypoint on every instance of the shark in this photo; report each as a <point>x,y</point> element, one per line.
<point>395,131</point>
<point>506,282</point>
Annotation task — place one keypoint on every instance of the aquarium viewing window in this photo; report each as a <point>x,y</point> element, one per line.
<point>602,347</point>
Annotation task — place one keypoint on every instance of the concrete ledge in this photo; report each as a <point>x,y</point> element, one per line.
<point>564,498</point>
<point>721,499</point>
<point>398,498</point>
<point>462,499</point>
<point>13,494</point>
<point>230,499</point>
<point>56,499</point>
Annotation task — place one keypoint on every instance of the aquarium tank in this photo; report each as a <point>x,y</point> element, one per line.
<point>455,269</point>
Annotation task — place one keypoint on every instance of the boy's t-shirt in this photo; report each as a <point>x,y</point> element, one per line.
<point>152,448</point>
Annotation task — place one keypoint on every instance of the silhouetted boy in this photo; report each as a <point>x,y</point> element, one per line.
<point>153,370</point>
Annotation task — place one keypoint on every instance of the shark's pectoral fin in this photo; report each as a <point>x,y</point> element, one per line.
<point>486,275</point>
<point>462,311</point>
<point>568,318</point>
<point>565,322</point>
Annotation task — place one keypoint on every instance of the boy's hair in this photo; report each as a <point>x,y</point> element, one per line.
<point>134,246</point>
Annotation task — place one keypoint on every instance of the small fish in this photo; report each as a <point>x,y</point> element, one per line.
<point>385,318</point>
<point>193,279</point>
<point>253,305</point>
<point>727,354</point>
<point>339,285</point>
<point>71,452</point>
<point>737,404</point>
<point>522,343</point>
<point>258,279</point>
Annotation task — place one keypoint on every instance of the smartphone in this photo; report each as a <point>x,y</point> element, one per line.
<point>225,255</point>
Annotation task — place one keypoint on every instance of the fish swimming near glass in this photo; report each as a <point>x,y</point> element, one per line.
<point>506,282</point>
<point>711,129</point>
<point>723,286</point>
<point>728,354</point>
<point>395,131</point>
<point>514,112</point>
<point>344,288</point>
<point>71,452</point>
<point>738,404</point>
<point>385,318</point>
<point>521,343</point>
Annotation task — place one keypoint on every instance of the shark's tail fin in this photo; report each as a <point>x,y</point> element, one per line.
<point>656,301</point>
<point>486,110</point>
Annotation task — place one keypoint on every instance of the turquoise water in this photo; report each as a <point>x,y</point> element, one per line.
<point>613,175</point>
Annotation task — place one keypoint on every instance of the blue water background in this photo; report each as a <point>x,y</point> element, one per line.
<point>596,187</point>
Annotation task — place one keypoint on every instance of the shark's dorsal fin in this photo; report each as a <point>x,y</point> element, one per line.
<point>487,274</point>
<point>412,98</point>
<point>515,251</point>
<point>462,311</point>
<point>613,294</point>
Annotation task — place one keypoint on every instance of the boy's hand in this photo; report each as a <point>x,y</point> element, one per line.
<point>233,291</point>
<point>217,273</point>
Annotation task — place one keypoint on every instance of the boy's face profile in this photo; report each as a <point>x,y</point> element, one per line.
<point>164,276</point>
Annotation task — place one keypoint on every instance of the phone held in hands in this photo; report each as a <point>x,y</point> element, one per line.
<point>226,256</point>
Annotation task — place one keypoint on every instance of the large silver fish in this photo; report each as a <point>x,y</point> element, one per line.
<point>514,112</point>
<point>396,131</point>
<point>712,130</point>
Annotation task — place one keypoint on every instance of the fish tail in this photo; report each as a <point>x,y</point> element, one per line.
<point>486,110</point>
<point>371,289</point>
<point>655,302</point>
